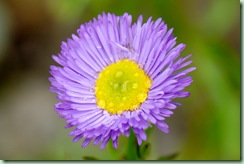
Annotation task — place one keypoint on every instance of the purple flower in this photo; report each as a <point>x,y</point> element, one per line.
<point>116,75</point>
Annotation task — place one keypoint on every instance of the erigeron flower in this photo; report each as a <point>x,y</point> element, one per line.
<point>116,75</point>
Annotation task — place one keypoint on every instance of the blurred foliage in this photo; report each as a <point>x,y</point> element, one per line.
<point>168,157</point>
<point>90,158</point>
<point>208,123</point>
<point>4,29</point>
<point>66,11</point>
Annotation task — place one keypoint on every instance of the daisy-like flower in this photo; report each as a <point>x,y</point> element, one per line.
<point>116,75</point>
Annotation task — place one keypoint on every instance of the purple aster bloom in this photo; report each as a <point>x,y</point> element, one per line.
<point>116,75</point>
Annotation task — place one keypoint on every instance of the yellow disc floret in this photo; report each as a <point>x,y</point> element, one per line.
<point>122,86</point>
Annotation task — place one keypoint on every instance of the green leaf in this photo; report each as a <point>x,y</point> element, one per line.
<point>144,150</point>
<point>90,158</point>
<point>168,157</point>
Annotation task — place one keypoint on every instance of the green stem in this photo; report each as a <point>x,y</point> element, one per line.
<point>132,147</point>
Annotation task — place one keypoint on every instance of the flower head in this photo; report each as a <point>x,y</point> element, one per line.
<point>116,75</point>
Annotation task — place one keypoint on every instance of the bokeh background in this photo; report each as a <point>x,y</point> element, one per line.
<point>206,127</point>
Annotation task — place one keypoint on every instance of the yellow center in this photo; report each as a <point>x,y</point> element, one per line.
<point>122,86</point>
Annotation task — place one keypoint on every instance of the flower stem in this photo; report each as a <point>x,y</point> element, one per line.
<point>132,147</point>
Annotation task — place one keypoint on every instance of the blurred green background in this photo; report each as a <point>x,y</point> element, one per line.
<point>206,127</point>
